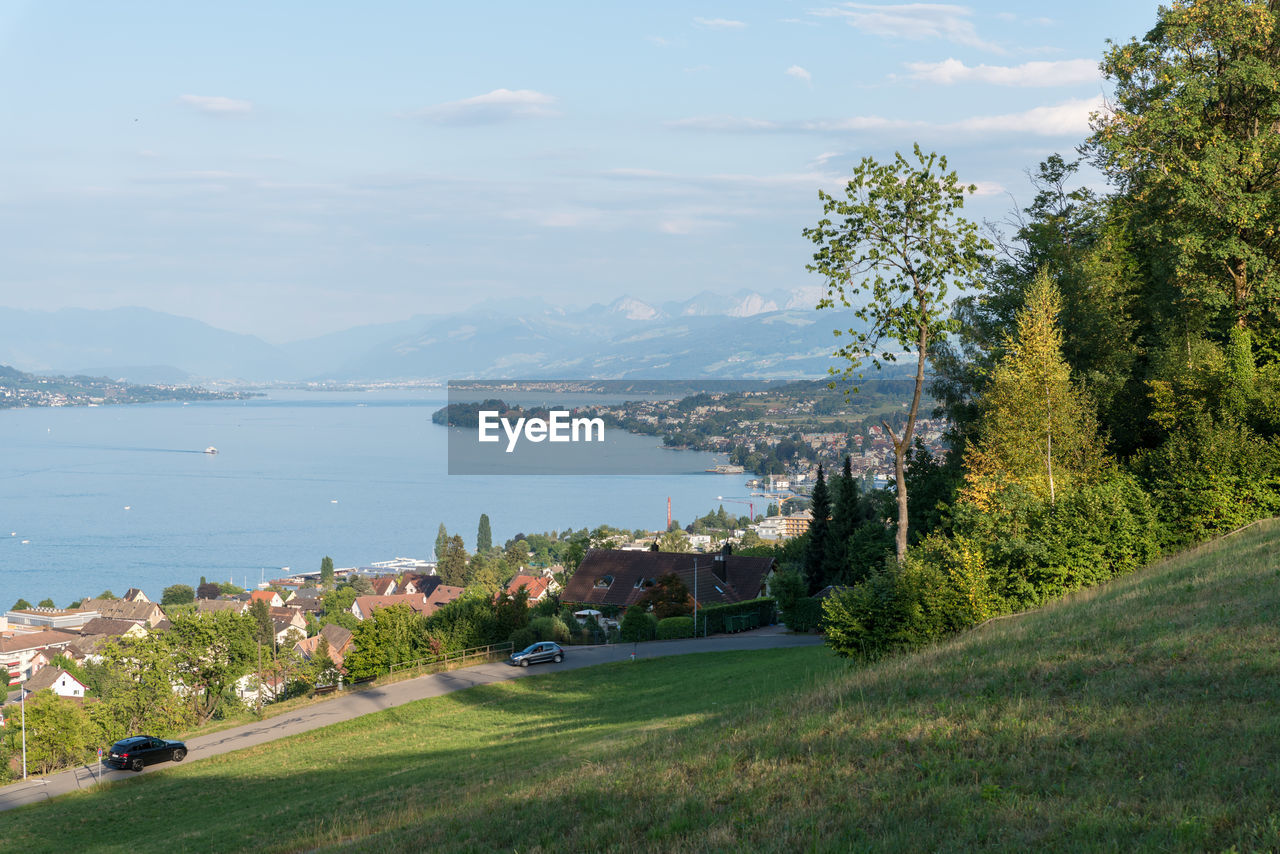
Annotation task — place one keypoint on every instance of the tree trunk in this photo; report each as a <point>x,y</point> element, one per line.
<point>901,446</point>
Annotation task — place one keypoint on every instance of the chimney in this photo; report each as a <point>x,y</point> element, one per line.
<point>720,565</point>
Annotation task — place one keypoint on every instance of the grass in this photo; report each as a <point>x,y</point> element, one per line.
<point>1137,716</point>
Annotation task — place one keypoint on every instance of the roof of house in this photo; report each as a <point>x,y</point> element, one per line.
<point>284,625</point>
<point>442,594</point>
<point>367,604</point>
<point>234,605</point>
<point>46,677</point>
<point>425,582</point>
<point>107,626</point>
<point>19,641</point>
<point>383,585</point>
<point>264,595</point>
<point>135,594</point>
<point>119,609</point>
<point>535,584</point>
<point>615,577</point>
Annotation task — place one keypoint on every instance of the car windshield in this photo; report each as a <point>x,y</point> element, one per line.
<point>528,649</point>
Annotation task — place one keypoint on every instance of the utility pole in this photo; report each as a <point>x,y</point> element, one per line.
<point>23,696</point>
<point>695,597</point>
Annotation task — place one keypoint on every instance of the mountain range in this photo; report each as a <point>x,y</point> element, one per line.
<point>742,335</point>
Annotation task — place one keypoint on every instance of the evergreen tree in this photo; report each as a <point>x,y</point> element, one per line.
<point>815,552</point>
<point>442,542</point>
<point>264,629</point>
<point>1038,432</point>
<point>484,536</point>
<point>452,567</point>
<point>844,519</point>
<point>326,571</point>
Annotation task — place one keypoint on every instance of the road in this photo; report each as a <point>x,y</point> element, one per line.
<point>357,703</point>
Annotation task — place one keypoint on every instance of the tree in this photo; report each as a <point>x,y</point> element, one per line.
<point>1039,433</point>
<point>452,566</point>
<point>668,597</point>
<point>134,683</point>
<point>517,555</point>
<point>442,542</point>
<point>178,594</point>
<point>819,526</point>
<point>674,541</point>
<point>326,572</point>
<point>901,242</point>
<point>361,585</point>
<point>484,536</point>
<point>57,731</point>
<point>208,590</point>
<point>210,652</point>
<point>106,594</point>
<point>1191,139</point>
<point>46,603</point>
<point>21,605</point>
<point>264,631</point>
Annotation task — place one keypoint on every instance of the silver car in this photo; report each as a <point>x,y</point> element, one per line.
<point>538,652</point>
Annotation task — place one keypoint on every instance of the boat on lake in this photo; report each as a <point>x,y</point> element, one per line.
<point>725,468</point>
<point>211,450</point>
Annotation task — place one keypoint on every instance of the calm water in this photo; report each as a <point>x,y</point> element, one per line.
<point>117,497</point>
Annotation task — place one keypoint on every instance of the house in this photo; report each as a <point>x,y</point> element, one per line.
<point>286,633</point>
<point>29,619</point>
<point>118,609</point>
<point>784,527</point>
<point>539,587</point>
<point>306,599</point>
<point>271,597</point>
<point>385,585</point>
<point>292,616</point>
<point>364,606</point>
<point>133,594</point>
<point>339,643</point>
<point>57,680</point>
<point>442,594</point>
<point>108,627</point>
<point>616,577</point>
<point>235,606</point>
<point>19,651</point>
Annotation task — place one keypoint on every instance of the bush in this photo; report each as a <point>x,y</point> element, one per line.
<point>805,615</point>
<point>638,625</point>
<point>549,629</point>
<point>521,638</point>
<point>713,620</point>
<point>894,609</point>
<point>675,627</point>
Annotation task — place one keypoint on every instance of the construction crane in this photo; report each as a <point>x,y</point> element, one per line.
<point>750,504</point>
<point>777,498</point>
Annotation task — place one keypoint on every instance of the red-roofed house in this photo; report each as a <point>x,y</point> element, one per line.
<point>364,606</point>
<point>539,587</point>
<point>443,594</point>
<point>271,597</point>
<point>385,585</point>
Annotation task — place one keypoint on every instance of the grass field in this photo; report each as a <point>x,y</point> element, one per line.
<point>1144,715</point>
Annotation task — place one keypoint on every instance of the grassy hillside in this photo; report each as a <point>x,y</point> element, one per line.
<point>1139,716</point>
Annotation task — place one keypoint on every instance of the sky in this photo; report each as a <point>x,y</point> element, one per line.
<point>289,169</point>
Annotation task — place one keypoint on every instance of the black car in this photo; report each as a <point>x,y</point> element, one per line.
<point>139,751</point>
<point>534,653</point>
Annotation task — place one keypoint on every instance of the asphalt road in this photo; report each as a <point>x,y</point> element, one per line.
<point>356,703</point>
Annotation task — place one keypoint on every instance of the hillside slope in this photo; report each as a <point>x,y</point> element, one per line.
<point>1136,716</point>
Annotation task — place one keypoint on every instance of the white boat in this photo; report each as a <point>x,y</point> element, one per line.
<point>211,450</point>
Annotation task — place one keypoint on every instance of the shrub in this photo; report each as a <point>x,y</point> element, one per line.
<point>805,614</point>
<point>521,638</point>
<point>638,625</point>
<point>894,609</point>
<point>549,629</point>
<point>675,627</point>
<point>712,620</point>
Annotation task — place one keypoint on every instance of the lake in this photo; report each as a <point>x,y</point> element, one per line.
<point>112,497</point>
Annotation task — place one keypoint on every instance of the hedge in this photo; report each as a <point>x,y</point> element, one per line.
<point>805,615</point>
<point>675,627</point>
<point>712,620</point>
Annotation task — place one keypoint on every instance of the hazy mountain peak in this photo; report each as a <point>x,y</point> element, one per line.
<point>634,309</point>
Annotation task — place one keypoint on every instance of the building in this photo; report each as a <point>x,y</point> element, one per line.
<point>271,597</point>
<point>119,609</point>
<point>56,680</point>
<point>68,619</point>
<point>539,587</point>
<point>19,652</point>
<point>784,527</point>
<point>616,577</point>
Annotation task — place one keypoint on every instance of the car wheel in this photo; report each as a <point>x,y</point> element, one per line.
<point>136,765</point>
<point>559,658</point>
<point>524,662</point>
<point>179,754</point>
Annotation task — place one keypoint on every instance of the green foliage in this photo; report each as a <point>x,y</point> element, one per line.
<point>466,623</point>
<point>21,605</point>
<point>442,542</point>
<point>226,587</point>
<point>58,732</point>
<point>550,629</point>
<point>894,609</point>
<point>209,653</point>
<point>484,534</point>
<point>787,586</point>
<point>712,620</point>
<point>388,636</point>
<point>674,540</point>
<point>133,684</point>
<point>326,572</point>
<point>638,625</point>
<point>208,590</point>
<point>900,245</point>
<point>178,594</point>
<point>668,597</point>
<point>452,566</point>
<point>521,638</point>
<point>815,562</point>
<point>804,615</point>
<point>673,628</point>
<point>360,585</point>
<point>46,603</point>
<point>264,630</point>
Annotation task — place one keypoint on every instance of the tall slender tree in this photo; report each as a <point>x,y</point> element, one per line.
<point>819,525</point>
<point>326,571</point>
<point>484,536</point>
<point>442,542</point>
<point>899,245</point>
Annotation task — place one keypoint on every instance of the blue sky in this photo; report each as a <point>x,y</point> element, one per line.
<point>289,169</point>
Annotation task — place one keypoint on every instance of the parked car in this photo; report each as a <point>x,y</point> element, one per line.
<point>136,752</point>
<point>538,652</point>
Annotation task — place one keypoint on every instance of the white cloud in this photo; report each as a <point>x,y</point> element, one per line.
<point>718,23</point>
<point>913,21</point>
<point>1070,118</point>
<point>500,105</point>
<point>799,73</point>
<point>988,188</point>
<point>1059,73</point>
<point>217,104</point>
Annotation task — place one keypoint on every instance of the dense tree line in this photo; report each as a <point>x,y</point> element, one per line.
<point>1113,375</point>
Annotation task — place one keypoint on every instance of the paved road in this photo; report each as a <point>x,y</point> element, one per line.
<point>356,703</point>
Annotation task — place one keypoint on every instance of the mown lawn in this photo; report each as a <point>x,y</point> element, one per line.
<point>1144,715</point>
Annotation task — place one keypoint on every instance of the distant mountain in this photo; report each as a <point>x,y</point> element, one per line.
<point>76,340</point>
<point>746,334</point>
